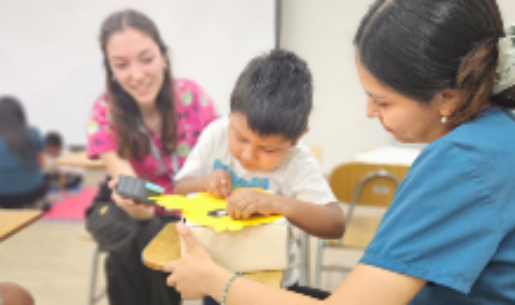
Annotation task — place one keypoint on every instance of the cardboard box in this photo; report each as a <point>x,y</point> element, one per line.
<point>254,248</point>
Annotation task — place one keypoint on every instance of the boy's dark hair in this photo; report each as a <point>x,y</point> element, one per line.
<point>53,139</point>
<point>275,93</point>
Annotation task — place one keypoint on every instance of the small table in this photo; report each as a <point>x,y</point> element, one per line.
<point>95,169</point>
<point>79,159</point>
<point>166,247</point>
<point>13,221</point>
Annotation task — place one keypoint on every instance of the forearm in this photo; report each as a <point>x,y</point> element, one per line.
<point>190,185</point>
<point>325,221</point>
<point>247,292</point>
<point>364,285</point>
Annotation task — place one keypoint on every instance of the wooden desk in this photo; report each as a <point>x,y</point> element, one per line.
<point>166,247</point>
<point>12,221</point>
<point>79,159</point>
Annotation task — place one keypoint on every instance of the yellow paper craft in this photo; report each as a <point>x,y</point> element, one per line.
<point>197,209</point>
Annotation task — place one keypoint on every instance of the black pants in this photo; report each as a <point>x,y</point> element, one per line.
<point>23,200</point>
<point>314,293</point>
<point>129,281</point>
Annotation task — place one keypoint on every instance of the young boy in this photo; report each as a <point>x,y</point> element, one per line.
<point>258,147</point>
<point>64,178</point>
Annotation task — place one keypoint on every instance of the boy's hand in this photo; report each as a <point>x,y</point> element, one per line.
<point>218,184</point>
<point>244,202</point>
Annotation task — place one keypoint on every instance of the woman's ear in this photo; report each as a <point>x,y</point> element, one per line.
<point>448,101</point>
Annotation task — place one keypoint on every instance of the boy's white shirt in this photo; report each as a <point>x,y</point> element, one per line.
<point>299,176</point>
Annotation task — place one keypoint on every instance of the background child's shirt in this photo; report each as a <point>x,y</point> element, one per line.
<point>194,111</point>
<point>299,176</point>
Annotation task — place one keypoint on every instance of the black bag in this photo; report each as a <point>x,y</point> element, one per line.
<point>109,225</point>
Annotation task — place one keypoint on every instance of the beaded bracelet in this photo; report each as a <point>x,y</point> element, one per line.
<point>228,284</point>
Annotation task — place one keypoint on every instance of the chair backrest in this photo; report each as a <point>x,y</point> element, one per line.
<point>377,182</point>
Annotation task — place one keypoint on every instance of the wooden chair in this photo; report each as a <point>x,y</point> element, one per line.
<point>359,184</point>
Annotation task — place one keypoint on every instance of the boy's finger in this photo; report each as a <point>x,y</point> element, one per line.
<point>229,180</point>
<point>237,210</point>
<point>248,211</point>
<point>230,204</point>
<point>227,190</point>
<point>212,189</point>
<point>231,211</point>
<point>221,190</point>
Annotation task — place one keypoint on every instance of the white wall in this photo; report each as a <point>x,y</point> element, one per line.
<point>50,57</point>
<point>322,32</point>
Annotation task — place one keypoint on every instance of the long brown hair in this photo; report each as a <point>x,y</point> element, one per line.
<point>124,110</point>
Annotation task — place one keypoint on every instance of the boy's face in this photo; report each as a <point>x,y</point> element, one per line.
<point>255,153</point>
<point>53,151</point>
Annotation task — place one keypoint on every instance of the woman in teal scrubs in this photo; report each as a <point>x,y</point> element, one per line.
<point>440,72</point>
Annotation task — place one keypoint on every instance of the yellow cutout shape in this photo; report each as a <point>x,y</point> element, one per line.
<point>196,210</point>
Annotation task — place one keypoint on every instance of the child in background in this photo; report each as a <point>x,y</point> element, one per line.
<point>22,184</point>
<point>61,177</point>
<point>258,146</point>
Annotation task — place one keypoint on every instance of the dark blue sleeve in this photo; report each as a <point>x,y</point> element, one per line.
<point>441,226</point>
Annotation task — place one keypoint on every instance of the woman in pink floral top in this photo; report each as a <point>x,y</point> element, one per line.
<point>142,103</point>
<point>194,109</point>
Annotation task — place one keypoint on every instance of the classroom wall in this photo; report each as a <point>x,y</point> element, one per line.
<point>50,56</point>
<point>322,33</point>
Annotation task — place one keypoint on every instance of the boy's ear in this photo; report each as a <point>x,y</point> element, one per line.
<point>301,135</point>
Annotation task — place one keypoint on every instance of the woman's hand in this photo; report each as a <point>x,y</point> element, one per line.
<point>191,274</point>
<point>138,211</point>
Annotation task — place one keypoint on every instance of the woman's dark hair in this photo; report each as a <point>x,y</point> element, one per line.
<point>14,130</point>
<point>420,47</point>
<point>123,108</point>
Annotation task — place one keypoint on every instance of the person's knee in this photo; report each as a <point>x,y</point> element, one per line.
<point>14,294</point>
